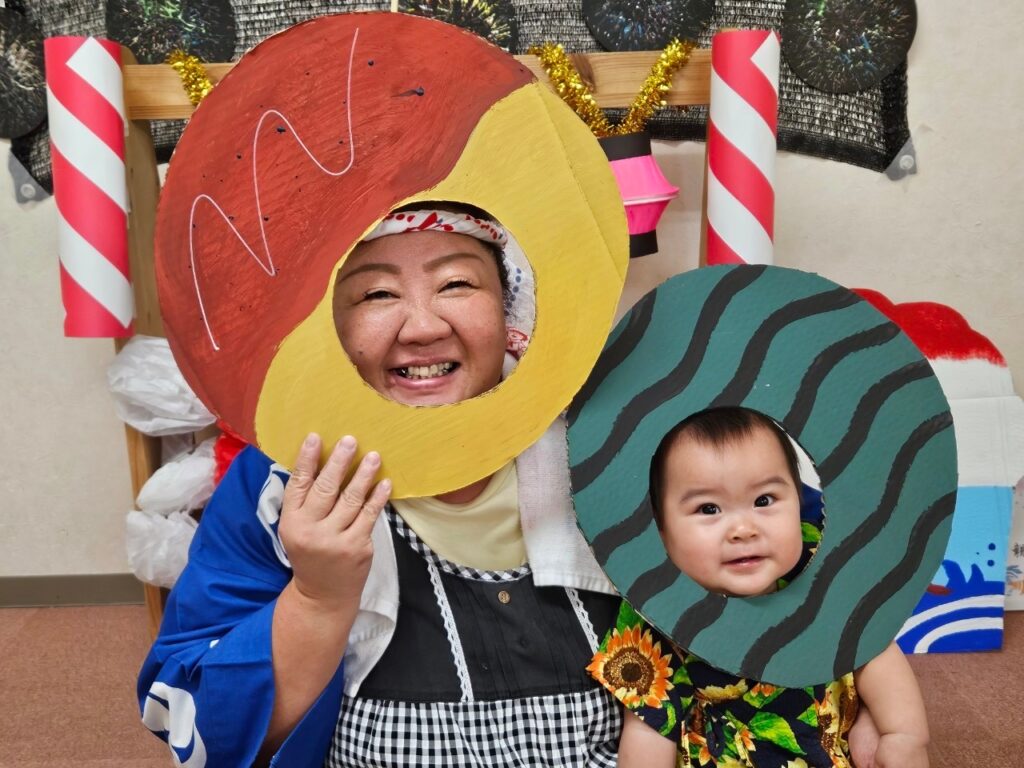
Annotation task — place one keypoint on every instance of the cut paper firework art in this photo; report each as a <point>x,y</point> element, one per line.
<point>962,609</point>
<point>22,87</point>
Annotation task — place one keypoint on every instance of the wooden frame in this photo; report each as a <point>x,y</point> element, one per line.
<point>154,92</point>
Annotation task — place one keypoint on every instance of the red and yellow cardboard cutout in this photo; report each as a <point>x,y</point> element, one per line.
<point>310,140</point>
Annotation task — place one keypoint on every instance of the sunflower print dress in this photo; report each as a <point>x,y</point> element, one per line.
<point>716,718</point>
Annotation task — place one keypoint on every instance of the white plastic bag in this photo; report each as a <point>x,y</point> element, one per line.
<point>158,546</point>
<point>149,391</point>
<point>184,483</point>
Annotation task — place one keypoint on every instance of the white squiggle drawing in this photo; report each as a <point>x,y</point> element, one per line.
<point>267,267</point>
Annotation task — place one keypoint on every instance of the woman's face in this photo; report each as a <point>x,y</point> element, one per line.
<point>421,316</point>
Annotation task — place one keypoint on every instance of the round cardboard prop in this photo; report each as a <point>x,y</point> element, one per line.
<point>845,46</point>
<point>632,26</point>
<point>301,150</point>
<point>204,28</point>
<point>849,386</point>
<point>494,20</point>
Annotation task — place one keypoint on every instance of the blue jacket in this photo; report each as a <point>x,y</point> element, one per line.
<point>207,685</point>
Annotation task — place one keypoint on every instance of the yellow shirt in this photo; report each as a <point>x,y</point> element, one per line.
<point>484,533</point>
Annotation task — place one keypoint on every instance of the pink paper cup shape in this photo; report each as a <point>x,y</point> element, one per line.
<point>645,190</point>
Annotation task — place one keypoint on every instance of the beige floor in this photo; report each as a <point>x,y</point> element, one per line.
<point>67,694</point>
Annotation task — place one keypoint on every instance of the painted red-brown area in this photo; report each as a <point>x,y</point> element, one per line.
<point>418,88</point>
<point>938,330</point>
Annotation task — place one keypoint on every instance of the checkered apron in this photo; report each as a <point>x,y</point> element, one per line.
<point>484,669</point>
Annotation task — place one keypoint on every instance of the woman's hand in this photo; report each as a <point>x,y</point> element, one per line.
<point>326,526</point>
<point>325,529</point>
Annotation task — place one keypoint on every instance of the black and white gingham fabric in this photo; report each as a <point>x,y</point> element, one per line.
<point>578,730</point>
<point>463,571</point>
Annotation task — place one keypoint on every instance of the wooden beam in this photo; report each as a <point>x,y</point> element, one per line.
<point>143,191</point>
<point>154,91</point>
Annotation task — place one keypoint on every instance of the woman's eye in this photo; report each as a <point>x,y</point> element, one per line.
<point>708,509</point>
<point>378,293</point>
<point>764,500</point>
<point>458,283</point>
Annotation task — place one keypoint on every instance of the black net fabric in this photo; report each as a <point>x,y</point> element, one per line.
<point>254,21</point>
<point>866,129</point>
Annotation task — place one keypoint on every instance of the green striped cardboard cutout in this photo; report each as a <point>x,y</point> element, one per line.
<point>856,394</point>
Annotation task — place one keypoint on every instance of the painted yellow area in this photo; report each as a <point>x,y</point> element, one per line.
<point>535,166</point>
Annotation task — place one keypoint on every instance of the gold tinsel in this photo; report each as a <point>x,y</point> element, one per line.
<point>578,95</point>
<point>193,74</point>
<point>570,86</point>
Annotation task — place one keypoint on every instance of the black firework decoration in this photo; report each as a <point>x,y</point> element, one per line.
<point>22,83</point>
<point>154,28</point>
<point>493,20</point>
<point>645,26</point>
<point>844,46</point>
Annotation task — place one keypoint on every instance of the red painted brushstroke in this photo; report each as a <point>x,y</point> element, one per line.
<point>225,448</point>
<point>938,330</point>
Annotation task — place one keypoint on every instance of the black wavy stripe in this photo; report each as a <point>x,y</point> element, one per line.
<point>734,281</point>
<point>890,583</point>
<point>636,326</point>
<point>822,366</point>
<point>757,348</point>
<point>864,417</point>
<point>697,617</point>
<point>627,529</point>
<point>650,583</point>
<point>765,647</point>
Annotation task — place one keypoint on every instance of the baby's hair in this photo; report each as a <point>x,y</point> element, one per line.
<point>715,428</point>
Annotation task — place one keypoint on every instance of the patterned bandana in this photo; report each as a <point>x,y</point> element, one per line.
<point>439,221</point>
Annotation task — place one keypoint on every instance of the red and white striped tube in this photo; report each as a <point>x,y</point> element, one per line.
<point>742,130</point>
<point>85,106</point>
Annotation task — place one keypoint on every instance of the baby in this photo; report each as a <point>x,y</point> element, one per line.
<point>726,493</point>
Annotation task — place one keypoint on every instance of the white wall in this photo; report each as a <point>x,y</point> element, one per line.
<point>65,479</point>
<point>950,234</point>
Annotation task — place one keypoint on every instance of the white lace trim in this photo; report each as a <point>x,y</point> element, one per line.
<point>583,616</point>
<point>458,655</point>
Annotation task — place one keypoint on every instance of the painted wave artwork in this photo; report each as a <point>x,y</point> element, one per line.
<point>962,609</point>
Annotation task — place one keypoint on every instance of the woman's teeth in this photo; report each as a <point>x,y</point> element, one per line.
<point>426,371</point>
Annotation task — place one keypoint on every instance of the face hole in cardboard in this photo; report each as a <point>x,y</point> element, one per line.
<point>427,315</point>
<point>737,502</point>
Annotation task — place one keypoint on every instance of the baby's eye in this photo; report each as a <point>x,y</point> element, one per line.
<point>708,509</point>
<point>764,500</point>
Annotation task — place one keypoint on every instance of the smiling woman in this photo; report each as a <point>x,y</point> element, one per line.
<point>419,306</point>
<point>380,603</point>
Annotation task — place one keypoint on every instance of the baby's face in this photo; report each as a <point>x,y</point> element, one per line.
<point>731,513</point>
